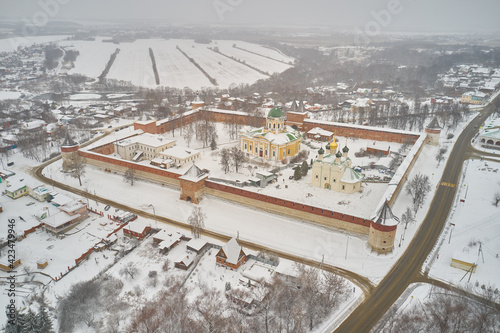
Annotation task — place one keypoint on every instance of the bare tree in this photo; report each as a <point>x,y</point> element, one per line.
<point>188,133</point>
<point>407,217</point>
<point>440,155</point>
<point>130,270</point>
<point>129,176</point>
<point>418,188</point>
<point>210,311</point>
<point>197,221</point>
<point>237,157</point>
<point>77,166</point>
<point>225,160</point>
<point>496,199</point>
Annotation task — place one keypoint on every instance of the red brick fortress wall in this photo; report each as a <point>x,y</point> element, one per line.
<point>294,209</point>
<point>362,132</point>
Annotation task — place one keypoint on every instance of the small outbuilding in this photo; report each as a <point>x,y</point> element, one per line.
<point>231,255</point>
<point>464,260</point>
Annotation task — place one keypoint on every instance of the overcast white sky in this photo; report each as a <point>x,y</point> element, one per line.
<point>407,15</point>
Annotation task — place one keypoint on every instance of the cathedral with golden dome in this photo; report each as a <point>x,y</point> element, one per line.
<point>333,170</point>
<point>275,141</point>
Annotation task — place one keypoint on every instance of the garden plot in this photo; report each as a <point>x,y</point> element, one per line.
<point>226,71</point>
<point>254,60</point>
<point>176,70</point>
<point>93,57</point>
<point>262,50</point>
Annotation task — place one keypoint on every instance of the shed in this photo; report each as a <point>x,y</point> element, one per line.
<point>42,263</point>
<point>184,262</point>
<point>464,260</point>
<point>197,245</point>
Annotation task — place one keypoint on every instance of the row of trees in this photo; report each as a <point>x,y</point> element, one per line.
<point>30,322</point>
<point>445,311</point>
<point>86,302</point>
<point>231,157</point>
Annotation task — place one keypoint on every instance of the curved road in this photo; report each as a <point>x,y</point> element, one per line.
<point>363,283</point>
<point>407,268</point>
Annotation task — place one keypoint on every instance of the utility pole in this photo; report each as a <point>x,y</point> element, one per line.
<point>347,245</point>
<point>481,251</point>
<point>154,213</point>
<point>451,231</point>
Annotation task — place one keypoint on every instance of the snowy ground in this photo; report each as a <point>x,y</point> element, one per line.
<point>11,44</point>
<point>476,220</point>
<point>9,95</point>
<point>344,250</point>
<point>270,230</point>
<point>133,62</point>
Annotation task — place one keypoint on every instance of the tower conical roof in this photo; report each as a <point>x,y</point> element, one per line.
<point>301,106</point>
<point>194,171</point>
<point>68,141</point>
<point>434,124</point>
<point>385,216</point>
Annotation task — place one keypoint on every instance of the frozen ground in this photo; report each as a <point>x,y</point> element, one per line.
<point>270,230</point>
<point>11,44</point>
<point>476,221</point>
<point>133,62</point>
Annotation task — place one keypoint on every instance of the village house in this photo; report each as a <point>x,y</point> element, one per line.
<point>16,188</point>
<point>377,148</point>
<point>319,134</point>
<point>69,215</point>
<point>166,240</point>
<point>197,245</point>
<point>490,136</point>
<point>184,262</point>
<point>231,255</point>
<point>39,192</point>
<point>362,105</point>
<point>473,97</point>
<point>136,230</point>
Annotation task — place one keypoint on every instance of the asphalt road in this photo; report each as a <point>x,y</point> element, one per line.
<point>363,283</point>
<point>407,268</point>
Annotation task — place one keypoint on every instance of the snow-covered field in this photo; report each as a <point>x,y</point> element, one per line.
<point>9,95</point>
<point>476,221</point>
<point>348,251</point>
<point>11,44</point>
<point>273,231</point>
<point>93,57</point>
<point>133,62</point>
<point>260,62</point>
<point>226,71</point>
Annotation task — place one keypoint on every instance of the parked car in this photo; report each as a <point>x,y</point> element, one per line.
<point>10,164</point>
<point>106,208</point>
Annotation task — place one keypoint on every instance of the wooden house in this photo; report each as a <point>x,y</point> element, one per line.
<point>136,230</point>
<point>184,262</point>
<point>231,255</point>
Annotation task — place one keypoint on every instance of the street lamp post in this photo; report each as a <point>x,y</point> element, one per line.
<point>154,213</point>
